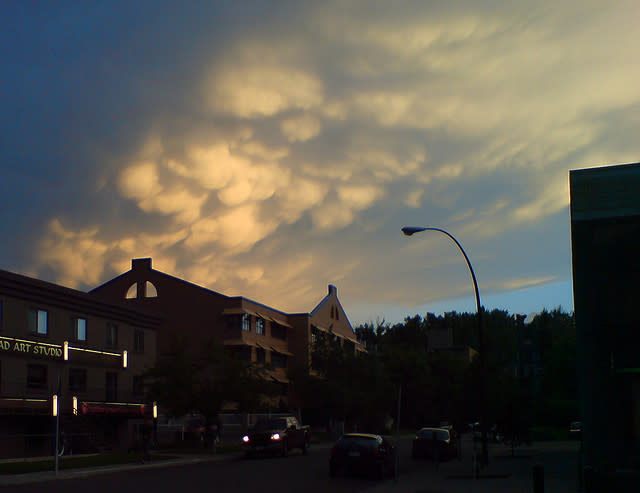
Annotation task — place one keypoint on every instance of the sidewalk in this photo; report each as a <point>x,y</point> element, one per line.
<point>184,459</point>
<point>36,477</point>
<point>503,474</point>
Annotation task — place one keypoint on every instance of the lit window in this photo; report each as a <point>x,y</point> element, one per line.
<point>150,290</point>
<point>132,292</point>
<point>38,322</point>
<point>260,326</point>
<point>80,329</point>
<point>246,322</point>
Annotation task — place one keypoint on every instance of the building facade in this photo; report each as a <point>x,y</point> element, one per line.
<point>605,233</point>
<point>56,341</point>
<point>251,330</point>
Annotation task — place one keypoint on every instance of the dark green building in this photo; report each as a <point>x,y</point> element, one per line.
<point>605,234</point>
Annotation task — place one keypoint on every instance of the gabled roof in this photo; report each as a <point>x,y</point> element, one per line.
<point>332,297</point>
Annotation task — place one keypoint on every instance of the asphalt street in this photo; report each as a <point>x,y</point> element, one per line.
<point>309,474</point>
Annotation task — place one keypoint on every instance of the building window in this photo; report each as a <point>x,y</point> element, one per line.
<point>260,326</point>
<point>278,360</point>
<point>233,321</point>
<point>138,341</point>
<point>246,322</point>
<point>132,292</point>
<point>77,380</point>
<point>138,385</point>
<point>36,377</point>
<point>261,356</point>
<point>150,290</point>
<point>278,331</point>
<point>111,387</point>
<point>80,329</point>
<point>112,335</point>
<point>38,322</point>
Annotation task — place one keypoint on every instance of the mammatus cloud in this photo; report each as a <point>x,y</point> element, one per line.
<point>298,150</point>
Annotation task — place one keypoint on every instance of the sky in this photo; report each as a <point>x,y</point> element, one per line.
<point>267,149</point>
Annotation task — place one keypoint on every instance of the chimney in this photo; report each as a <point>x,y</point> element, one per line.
<point>141,264</point>
<point>333,289</point>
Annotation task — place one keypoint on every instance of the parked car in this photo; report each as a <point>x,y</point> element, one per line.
<point>434,443</point>
<point>364,453</point>
<point>277,435</point>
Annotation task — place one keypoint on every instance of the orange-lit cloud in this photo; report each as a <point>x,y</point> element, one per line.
<point>275,158</point>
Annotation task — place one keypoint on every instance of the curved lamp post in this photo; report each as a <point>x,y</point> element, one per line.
<point>410,230</point>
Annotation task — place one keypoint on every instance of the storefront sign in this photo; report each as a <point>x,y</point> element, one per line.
<point>8,344</point>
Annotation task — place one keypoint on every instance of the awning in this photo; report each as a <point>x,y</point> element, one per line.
<point>281,351</point>
<point>279,379</point>
<point>120,409</point>
<point>238,342</point>
<point>239,311</point>
<point>280,322</point>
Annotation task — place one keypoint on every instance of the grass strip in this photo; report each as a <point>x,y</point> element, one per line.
<point>71,462</point>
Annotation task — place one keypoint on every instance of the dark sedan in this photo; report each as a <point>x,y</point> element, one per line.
<point>364,453</point>
<point>434,443</point>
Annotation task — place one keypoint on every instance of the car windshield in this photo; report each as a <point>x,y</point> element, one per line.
<point>433,433</point>
<point>270,424</point>
<point>357,441</point>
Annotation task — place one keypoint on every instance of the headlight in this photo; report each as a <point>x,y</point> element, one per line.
<point>275,436</point>
<point>245,439</point>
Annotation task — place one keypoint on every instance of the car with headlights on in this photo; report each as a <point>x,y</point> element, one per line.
<point>364,453</point>
<point>277,436</point>
<point>434,443</point>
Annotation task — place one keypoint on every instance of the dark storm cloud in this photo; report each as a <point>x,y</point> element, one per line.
<point>267,148</point>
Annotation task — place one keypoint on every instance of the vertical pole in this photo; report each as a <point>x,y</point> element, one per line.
<point>56,410</point>
<point>399,401</point>
<point>57,436</point>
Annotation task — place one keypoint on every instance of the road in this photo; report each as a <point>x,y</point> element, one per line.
<point>309,474</point>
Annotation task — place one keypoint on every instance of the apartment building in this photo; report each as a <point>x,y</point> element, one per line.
<point>89,354</point>
<point>252,330</point>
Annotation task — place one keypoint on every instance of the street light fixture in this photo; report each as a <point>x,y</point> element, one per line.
<point>410,230</point>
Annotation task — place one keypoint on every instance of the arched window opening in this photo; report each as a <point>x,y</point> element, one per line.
<point>150,290</point>
<point>133,291</point>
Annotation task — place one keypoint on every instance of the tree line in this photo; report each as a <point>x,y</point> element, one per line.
<point>400,380</point>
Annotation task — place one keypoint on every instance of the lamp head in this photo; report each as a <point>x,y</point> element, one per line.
<point>409,230</point>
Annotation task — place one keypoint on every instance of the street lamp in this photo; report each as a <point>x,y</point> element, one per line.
<point>410,230</point>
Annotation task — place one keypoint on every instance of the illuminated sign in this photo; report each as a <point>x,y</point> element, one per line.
<point>12,345</point>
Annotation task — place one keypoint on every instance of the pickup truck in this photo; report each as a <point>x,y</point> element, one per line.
<point>277,435</point>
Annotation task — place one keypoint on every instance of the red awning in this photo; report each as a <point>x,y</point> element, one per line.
<point>133,410</point>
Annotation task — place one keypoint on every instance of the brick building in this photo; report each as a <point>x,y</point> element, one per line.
<point>252,330</point>
<point>89,353</point>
